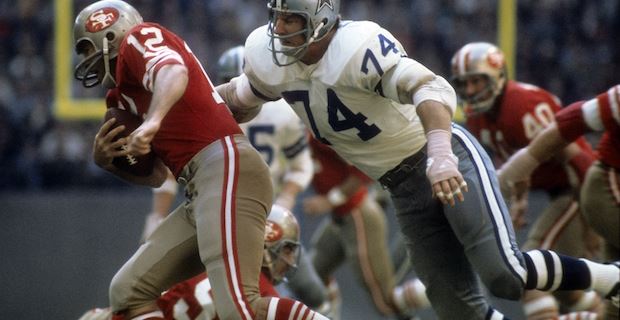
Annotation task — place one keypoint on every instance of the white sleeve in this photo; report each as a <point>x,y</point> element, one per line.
<point>411,82</point>
<point>244,91</point>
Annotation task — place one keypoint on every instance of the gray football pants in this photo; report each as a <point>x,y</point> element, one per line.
<point>453,248</point>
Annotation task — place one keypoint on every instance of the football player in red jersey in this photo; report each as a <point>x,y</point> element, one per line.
<point>193,299</point>
<point>154,74</point>
<point>356,233</point>
<point>600,193</point>
<point>506,115</point>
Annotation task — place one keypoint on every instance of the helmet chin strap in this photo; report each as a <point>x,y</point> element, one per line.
<point>108,80</point>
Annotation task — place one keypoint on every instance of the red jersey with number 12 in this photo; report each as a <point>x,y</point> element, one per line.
<point>197,119</point>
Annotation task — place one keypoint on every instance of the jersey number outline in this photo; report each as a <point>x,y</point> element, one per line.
<point>335,107</point>
<point>339,116</point>
<point>153,45</point>
<point>266,149</point>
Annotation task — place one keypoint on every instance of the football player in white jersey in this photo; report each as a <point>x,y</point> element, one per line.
<point>357,90</point>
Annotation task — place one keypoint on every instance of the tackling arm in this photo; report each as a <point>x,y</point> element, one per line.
<point>238,95</point>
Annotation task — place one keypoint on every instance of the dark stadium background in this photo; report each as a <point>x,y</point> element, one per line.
<point>66,226</point>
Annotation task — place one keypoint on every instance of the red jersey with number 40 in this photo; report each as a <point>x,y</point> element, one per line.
<point>523,111</point>
<point>197,119</point>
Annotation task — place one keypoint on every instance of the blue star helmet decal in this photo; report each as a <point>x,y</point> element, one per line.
<point>323,3</point>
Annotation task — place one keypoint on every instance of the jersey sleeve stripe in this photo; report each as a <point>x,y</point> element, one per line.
<point>591,115</point>
<point>614,103</point>
<point>163,57</point>
<point>260,95</point>
<point>294,149</point>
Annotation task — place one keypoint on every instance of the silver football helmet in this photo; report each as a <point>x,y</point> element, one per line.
<point>282,245</point>
<point>479,59</point>
<point>102,26</point>
<point>320,16</point>
<point>230,64</point>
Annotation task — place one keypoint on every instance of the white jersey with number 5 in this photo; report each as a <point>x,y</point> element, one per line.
<point>344,98</point>
<point>280,137</point>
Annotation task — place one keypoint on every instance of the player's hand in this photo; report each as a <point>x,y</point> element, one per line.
<point>445,178</point>
<point>104,148</point>
<point>139,141</point>
<point>316,205</point>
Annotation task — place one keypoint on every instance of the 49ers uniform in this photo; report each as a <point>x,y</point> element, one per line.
<point>600,193</point>
<point>193,299</point>
<point>221,225</point>
<point>519,114</point>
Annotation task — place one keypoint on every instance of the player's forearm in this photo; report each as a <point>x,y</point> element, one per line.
<point>300,169</point>
<point>169,87</point>
<point>547,144</point>
<point>434,115</point>
<point>240,99</point>
<point>288,194</point>
<point>339,194</point>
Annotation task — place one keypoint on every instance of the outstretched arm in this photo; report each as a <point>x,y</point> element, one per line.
<point>238,95</point>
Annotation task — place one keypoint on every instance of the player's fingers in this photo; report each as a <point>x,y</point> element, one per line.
<point>106,125</point>
<point>443,192</point>
<point>456,189</point>
<point>110,135</point>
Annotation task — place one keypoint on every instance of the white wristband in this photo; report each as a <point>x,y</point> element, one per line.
<point>336,197</point>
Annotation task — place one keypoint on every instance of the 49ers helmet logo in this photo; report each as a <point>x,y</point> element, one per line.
<point>273,232</point>
<point>101,19</point>
<point>496,60</point>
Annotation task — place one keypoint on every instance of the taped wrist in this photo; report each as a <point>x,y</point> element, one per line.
<point>441,163</point>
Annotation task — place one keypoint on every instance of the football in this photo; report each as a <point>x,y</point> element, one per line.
<point>136,165</point>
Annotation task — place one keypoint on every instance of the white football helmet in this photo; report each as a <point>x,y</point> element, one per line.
<point>103,25</point>
<point>320,16</point>
<point>282,245</point>
<point>230,64</point>
<point>479,59</point>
